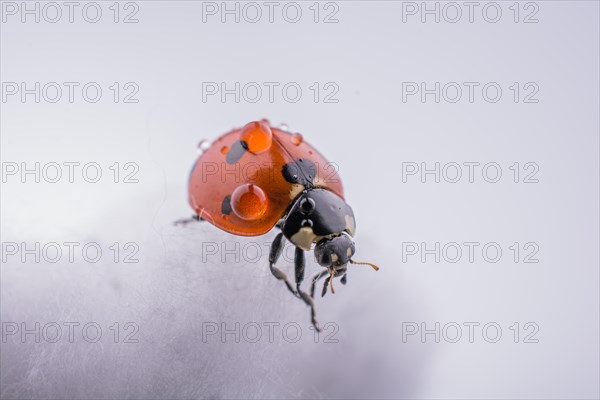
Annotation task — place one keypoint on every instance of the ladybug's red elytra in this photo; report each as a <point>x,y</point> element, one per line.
<point>258,177</point>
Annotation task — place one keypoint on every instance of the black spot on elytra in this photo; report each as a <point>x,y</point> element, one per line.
<point>301,172</point>
<point>237,150</point>
<point>226,205</point>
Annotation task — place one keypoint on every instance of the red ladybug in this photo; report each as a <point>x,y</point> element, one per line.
<point>257,177</point>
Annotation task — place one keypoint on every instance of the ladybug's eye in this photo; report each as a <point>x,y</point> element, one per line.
<point>307,205</point>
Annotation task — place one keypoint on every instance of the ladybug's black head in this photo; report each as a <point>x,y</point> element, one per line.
<point>335,251</point>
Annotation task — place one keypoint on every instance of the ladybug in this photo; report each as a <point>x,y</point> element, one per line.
<point>259,177</point>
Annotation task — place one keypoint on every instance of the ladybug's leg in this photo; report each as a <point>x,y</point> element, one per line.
<point>299,267</point>
<point>315,279</point>
<point>276,249</point>
<point>341,272</point>
<point>185,221</point>
<point>325,284</point>
<point>299,264</point>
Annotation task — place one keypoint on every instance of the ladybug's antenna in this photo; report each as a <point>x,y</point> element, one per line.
<point>375,267</point>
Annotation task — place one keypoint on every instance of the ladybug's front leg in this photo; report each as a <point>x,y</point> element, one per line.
<point>315,279</point>
<point>276,249</point>
<point>299,264</point>
<point>344,279</point>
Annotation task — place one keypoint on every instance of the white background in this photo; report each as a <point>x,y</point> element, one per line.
<point>172,292</point>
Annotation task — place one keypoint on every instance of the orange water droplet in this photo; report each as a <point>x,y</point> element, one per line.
<point>258,136</point>
<point>296,139</point>
<point>249,201</point>
<point>224,150</point>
